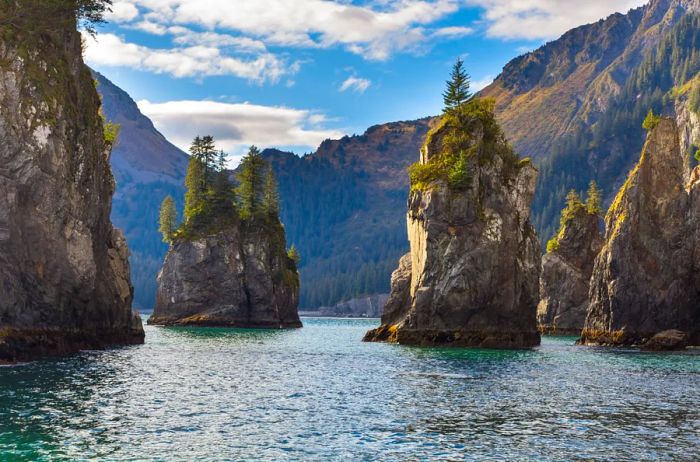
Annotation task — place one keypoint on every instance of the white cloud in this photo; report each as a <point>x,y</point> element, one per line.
<point>185,36</point>
<point>194,61</point>
<point>374,30</point>
<point>356,84</point>
<point>151,27</point>
<point>453,32</point>
<point>122,11</point>
<point>544,19</point>
<point>236,126</point>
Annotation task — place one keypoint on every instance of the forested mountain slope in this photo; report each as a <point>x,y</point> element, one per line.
<point>344,207</point>
<point>576,104</point>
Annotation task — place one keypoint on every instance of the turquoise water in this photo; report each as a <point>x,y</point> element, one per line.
<point>319,393</point>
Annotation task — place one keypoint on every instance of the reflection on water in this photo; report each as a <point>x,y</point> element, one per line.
<point>319,393</point>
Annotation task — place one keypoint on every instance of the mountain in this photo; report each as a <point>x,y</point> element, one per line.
<point>344,207</point>
<point>146,167</point>
<point>576,104</point>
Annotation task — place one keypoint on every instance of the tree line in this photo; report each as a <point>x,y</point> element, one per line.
<point>213,200</point>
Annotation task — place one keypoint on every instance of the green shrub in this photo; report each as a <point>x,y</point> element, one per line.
<point>651,121</point>
<point>451,164</point>
<point>552,245</point>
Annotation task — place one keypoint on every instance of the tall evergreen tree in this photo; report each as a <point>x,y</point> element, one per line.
<point>271,197</point>
<point>196,189</point>
<point>593,199</point>
<point>168,218</point>
<point>250,180</point>
<point>457,91</point>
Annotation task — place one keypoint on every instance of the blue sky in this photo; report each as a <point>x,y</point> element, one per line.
<point>289,73</point>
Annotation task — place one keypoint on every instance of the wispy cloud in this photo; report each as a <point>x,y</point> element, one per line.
<point>544,19</point>
<point>375,30</point>
<point>356,84</point>
<point>193,61</point>
<point>238,125</point>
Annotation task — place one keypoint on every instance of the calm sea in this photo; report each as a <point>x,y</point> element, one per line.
<point>319,394</point>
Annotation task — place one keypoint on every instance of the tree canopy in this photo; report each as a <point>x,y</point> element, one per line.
<point>457,91</point>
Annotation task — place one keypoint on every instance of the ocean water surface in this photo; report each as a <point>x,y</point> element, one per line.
<point>319,393</point>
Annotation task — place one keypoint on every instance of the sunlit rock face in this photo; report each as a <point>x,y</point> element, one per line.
<point>645,279</point>
<point>566,273</point>
<point>239,277</point>
<point>472,275</point>
<point>64,272</point>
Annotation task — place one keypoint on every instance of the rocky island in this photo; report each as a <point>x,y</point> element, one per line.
<point>645,289</point>
<point>64,271</point>
<point>228,264</point>
<point>472,275</point>
<point>568,264</point>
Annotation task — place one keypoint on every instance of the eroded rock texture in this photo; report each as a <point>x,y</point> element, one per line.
<point>566,273</point>
<point>645,279</point>
<point>239,277</point>
<point>64,272</point>
<point>472,275</point>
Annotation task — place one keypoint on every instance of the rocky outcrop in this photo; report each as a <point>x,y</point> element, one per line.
<point>239,277</point>
<point>472,275</point>
<point>645,279</point>
<point>566,273</point>
<point>64,272</point>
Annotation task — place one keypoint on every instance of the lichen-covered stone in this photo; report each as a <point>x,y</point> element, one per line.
<point>645,279</point>
<point>472,275</point>
<point>566,273</point>
<point>238,277</point>
<point>64,272</point>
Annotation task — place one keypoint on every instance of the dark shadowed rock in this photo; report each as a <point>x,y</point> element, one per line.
<point>472,276</point>
<point>240,277</point>
<point>645,278</point>
<point>64,273</point>
<point>566,272</point>
<point>668,340</point>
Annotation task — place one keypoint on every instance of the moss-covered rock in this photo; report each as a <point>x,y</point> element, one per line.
<point>472,275</point>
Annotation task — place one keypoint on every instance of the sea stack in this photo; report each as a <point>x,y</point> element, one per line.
<point>472,275</point>
<point>228,264</point>
<point>646,278</point>
<point>567,266</point>
<point>64,271</point>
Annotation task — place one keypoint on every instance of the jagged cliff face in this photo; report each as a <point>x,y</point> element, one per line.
<point>471,277</point>
<point>64,273</point>
<point>240,277</point>
<point>147,168</point>
<point>645,278</point>
<point>566,273</point>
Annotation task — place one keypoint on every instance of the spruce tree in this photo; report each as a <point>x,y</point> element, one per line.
<point>250,180</point>
<point>457,91</point>
<point>271,198</point>
<point>593,200</point>
<point>196,191</point>
<point>168,218</point>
